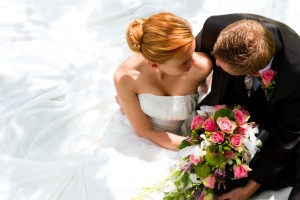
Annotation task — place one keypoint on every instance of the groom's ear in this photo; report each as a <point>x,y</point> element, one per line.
<point>152,64</point>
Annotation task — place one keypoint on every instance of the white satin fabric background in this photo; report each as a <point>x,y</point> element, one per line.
<point>57,60</point>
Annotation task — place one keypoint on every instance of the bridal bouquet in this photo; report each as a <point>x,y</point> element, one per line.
<point>221,145</point>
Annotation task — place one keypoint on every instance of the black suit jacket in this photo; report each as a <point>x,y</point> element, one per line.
<point>275,165</point>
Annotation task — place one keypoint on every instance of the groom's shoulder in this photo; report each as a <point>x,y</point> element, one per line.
<point>226,19</point>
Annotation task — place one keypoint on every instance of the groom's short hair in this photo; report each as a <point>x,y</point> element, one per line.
<point>245,45</point>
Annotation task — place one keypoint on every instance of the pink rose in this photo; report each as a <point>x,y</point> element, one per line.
<point>241,171</point>
<point>218,107</point>
<point>245,112</point>
<point>209,124</point>
<point>229,154</point>
<point>217,137</point>
<point>268,76</point>
<point>236,140</point>
<point>197,122</point>
<point>226,125</point>
<point>210,181</point>
<point>196,159</point>
<point>242,131</point>
<point>246,157</point>
<point>240,117</point>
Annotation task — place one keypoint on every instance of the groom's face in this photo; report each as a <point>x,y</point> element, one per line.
<point>230,70</point>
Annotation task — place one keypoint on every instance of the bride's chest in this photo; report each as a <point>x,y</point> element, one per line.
<point>168,107</point>
<point>179,86</point>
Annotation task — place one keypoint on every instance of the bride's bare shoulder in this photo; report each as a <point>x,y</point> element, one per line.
<point>129,69</point>
<point>202,63</point>
<point>202,60</point>
<point>132,62</point>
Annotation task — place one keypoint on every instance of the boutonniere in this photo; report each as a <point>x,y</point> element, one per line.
<point>268,82</point>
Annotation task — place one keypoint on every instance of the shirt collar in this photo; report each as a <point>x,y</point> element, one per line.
<point>267,67</point>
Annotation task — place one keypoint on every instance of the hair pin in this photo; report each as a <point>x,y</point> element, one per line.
<point>139,21</point>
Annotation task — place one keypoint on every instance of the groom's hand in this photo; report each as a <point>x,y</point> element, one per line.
<point>241,193</point>
<point>235,194</point>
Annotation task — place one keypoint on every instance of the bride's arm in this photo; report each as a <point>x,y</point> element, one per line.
<point>129,103</point>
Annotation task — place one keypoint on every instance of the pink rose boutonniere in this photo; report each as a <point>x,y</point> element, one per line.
<point>268,82</point>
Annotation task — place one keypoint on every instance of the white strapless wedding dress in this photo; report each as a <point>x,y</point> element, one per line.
<point>136,162</point>
<point>167,113</point>
<point>116,169</point>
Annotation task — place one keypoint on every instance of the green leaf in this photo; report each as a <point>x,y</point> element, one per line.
<point>188,193</point>
<point>184,180</point>
<point>172,196</point>
<point>183,144</point>
<point>196,133</point>
<point>213,148</point>
<point>214,158</point>
<point>202,170</point>
<point>224,112</point>
<point>176,173</point>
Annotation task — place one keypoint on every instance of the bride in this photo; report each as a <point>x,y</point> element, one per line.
<point>157,90</point>
<point>157,87</point>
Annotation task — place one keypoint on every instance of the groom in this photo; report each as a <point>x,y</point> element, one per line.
<point>242,51</point>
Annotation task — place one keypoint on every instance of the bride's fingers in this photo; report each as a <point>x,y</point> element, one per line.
<point>117,99</point>
<point>118,102</point>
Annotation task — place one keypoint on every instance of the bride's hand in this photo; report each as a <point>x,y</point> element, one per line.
<point>118,102</point>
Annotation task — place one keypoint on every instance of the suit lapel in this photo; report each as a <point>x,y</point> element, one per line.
<point>219,81</point>
<point>277,66</point>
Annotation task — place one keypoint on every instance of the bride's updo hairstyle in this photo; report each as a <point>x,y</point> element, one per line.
<point>159,37</point>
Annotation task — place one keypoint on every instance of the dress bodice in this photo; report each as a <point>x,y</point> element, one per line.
<point>168,113</point>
